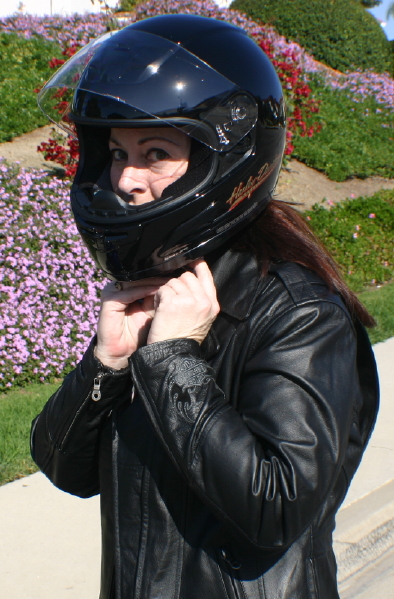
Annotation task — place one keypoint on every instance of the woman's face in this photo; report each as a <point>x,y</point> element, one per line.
<point>146,161</point>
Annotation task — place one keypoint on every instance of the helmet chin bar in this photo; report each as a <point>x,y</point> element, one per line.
<point>174,260</point>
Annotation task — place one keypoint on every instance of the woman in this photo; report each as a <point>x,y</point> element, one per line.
<point>225,403</point>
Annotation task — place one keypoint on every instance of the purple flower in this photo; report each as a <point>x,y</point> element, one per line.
<point>49,301</point>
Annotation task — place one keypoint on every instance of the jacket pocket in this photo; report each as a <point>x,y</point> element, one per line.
<point>229,569</point>
<point>322,577</point>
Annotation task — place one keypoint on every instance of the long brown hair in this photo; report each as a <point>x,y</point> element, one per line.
<point>280,233</point>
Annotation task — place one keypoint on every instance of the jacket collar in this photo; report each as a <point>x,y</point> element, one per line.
<point>237,277</point>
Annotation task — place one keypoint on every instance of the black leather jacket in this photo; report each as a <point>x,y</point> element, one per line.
<point>221,476</point>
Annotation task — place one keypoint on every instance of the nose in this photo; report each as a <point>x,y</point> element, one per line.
<point>133,185</point>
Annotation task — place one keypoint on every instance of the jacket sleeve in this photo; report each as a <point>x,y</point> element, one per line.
<point>65,436</point>
<point>266,465</point>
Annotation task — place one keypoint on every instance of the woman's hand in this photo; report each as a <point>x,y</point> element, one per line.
<point>154,310</point>
<point>185,307</point>
<point>124,321</point>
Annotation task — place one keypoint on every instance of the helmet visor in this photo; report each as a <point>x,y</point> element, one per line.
<point>157,78</point>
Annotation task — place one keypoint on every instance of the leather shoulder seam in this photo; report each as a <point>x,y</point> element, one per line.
<point>295,281</point>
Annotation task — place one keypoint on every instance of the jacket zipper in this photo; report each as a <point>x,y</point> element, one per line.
<point>96,393</point>
<point>232,565</point>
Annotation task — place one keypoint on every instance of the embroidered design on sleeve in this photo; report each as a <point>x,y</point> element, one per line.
<point>185,379</point>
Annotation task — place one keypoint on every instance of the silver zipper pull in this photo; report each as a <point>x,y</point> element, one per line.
<point>235,565</point>
<point>96,393</point>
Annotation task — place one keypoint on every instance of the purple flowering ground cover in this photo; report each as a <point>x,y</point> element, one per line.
<point>49,287</point>
<point>65,30</point>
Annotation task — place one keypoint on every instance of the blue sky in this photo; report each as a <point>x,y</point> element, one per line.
<point>380,13</point>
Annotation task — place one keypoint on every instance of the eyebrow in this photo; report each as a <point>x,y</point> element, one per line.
<point>144,140</point>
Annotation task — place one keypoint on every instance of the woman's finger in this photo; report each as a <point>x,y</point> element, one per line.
<point>164,293</point>
<point>151,281</point>
<point>179,286</point>
<point>193,285</point>
<point>205,278</point>
<point>128,296</point>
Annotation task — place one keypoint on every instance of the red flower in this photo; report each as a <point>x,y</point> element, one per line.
<point>56,62</point>
<point>298,94</point>
<point>71,50</point>
<point>67,155</point>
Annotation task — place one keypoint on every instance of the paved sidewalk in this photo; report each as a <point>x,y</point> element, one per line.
<point>365,523</point>
<point>50,541</point>
<point>377,466</point>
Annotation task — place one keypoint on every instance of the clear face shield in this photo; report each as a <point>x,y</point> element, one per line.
<point>131,78</point>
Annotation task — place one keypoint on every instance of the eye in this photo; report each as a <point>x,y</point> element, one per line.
<point>157,154</point>
<point>118,155</point>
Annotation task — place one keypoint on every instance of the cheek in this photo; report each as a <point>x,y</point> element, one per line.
<point>157,186</point>
<point>114,176</point>
<point>158,183</point>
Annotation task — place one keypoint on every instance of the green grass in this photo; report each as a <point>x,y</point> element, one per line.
<point>17,409</point>
<point>23,68</point>
<point>359,234</point>
<point>355,140</point>
<point>380,303</point>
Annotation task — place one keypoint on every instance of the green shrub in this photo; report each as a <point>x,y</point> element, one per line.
<point>359,234</point>
<point>356,138</point>
<point>340,33</point>
<point>370,3</point>
<point>127,5</point>
<point>23,68</point>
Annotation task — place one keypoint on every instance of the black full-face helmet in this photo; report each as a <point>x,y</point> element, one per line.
<point>203,76</point>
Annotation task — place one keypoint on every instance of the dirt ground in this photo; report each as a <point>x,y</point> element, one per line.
<point>306,186</point>
<point>297,183</point>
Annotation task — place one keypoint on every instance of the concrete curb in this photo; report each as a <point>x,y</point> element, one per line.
<point>365,530</point>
